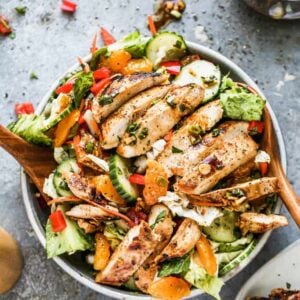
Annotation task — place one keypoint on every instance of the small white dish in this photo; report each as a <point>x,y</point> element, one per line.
<point>282,271</point>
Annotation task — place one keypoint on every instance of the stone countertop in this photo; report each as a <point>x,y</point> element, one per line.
<point>47,42</point>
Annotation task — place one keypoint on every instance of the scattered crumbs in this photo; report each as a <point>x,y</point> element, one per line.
<point>279,85</point>
<point>288,285</point>
<point>33,76</point>
<point>289,77</point>
<point>6,95</point>
<point>278,275</point>
<point>200,34</point>
<point>12,35</point>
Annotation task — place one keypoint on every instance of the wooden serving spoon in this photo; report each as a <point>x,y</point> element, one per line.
<point>286,193</point>
<point>38,162</point>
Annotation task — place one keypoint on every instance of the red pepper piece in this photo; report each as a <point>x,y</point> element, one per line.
<point>256,127</point>
<point>97,87</point>
<point>65,88</point>
<point>151,25</point>
<point>107,38</point>
<point>57,220</point>
<point>172,67</point>
<point>68,6</point>
<point>137,179</point>
<point>136,216</point>
<point>4,26</point>
<point>101,73</point>
<point>263,168</point>
<point>24,108</point>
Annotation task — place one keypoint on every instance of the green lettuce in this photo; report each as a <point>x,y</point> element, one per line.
<point>114,234</point>
<point>238,103</point>
<point>82,86</point>
<point>178,265</point>
<point>198,277</point>
<point>29,127</point>
<point>70,240</point>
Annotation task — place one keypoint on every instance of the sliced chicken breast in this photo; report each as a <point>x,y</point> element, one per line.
<point>204,118</point>
<point>160,220</point>
<point>218,164</point>
<point>159,119</point>
<point>184,240</point>
<point>236,195</point>
<point>114,127</point>
<point>86,211</point>
<point>136,247</point>
<point>184,163</point>
<point>121,89</point>
<point>260,223</point>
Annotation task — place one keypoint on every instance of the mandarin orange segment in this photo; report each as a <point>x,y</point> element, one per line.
<point>118,60</point>
<point>137,65</point>
<point>169,288</point>
<point>156,182</point>
<point>102,252</point>
<point>206,255</point>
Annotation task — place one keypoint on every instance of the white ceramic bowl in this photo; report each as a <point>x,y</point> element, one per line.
<point>80,272</point>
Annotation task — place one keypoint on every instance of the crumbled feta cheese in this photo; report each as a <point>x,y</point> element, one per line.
<point>157,148</point>
<point>262,157</point>
<point>178,205</point>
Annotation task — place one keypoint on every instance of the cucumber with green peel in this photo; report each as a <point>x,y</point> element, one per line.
<point>119,174</point>
<point>226,257</point>
<point>239,244</point>
<point>165,46</point>
<point>223,229</point>
<point>68,165</point>
<point>203,73</point>
<point>238,259</point>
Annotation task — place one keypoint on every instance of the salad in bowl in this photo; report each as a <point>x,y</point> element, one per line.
<point>161,186</point>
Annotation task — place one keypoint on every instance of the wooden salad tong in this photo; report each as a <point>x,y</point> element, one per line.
<point>38,162</point>
<point>286,193</point>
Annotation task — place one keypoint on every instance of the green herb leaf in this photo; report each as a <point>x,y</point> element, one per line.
<point>96,58</point>
<point>12,35</point>
<point>21,10</point>
<point>132,128</point>
<point>176,150</point>
<point>178,265</point>
<point>89,147</point>
<point>106,99</point>
<point>161,216</point>
<point>195,130</point>
<point>215,132</point>
<point>143,134</point>
<point>33,76</point>
<point>82,86</point>
<point>288,285</point>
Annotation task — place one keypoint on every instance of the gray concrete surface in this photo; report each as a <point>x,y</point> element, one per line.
<point>47,43</point>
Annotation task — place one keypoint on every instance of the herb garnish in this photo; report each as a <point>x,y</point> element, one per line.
<point>195,130</point>
<point>33,76</point>
<point>176,150</point>
<point>21,10</point>
<point>106,99</point>
<point>143,133</point>
<point>215,132</point>
<point>160,217</point>
<point>89,147</point>
<point>82,86</point>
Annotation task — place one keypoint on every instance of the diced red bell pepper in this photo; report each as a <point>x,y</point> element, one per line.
<point>107,38</point>
<point>168,136</point>
<point>137,179</point>
<point>58,222</point>
<point>172,67</point>
<point>65,88</point>
<point>255,127</point>
<point>24,108</point>
<point>101,73</point>
<point>4,26</point>
<point>136,216</point>
<point>97,87</point>
<point>68,6</point>
<point>263,168</point>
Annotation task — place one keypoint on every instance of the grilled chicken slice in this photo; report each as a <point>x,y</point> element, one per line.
<point>260,223</point>
<point>236,195</point>
<point>204,119</point>
<point>159,119</point>
<point>184,163</point>
<point>121,89</point>
<point>89,226</point>
<point>160,220</point>
<point>136,247</point>
<point>114,127</point>
<point>83,155</point>
<point>86,211</point>
<point>218,164</point>
<point>184,240</point>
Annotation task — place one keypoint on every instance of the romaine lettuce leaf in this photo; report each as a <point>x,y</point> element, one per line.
<point>178,265</point>
<point>198,277</point>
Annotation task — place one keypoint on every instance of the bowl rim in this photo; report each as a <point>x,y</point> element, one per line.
<point>117,293</point>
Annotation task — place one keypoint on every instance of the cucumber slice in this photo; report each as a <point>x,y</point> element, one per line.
<point>57,114</point>
<point>223,229</point>
<point>226,257</point>
<point>239,244</point>
<point>165,46</point>
<point>69,165</point>
<point>238,259</point>
<point>119,173</point>
<point>204,73</point>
